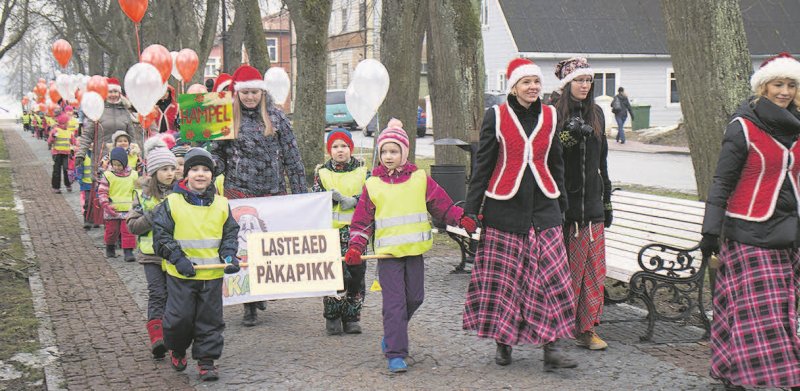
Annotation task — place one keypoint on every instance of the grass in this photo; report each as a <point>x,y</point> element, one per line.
<point>656,191</point>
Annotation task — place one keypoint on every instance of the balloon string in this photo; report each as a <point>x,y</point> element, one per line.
<point>138,44</point>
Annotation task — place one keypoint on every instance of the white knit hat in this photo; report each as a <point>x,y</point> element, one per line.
<point>519,68</point>
<point>781,65</point>
<point>567,70</point>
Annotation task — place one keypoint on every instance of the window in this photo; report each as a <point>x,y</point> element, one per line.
<point>344,19</point>
<point>605,83</point>
<point>272,49</point>
<point>674,95</point>
<point>501,80</point>
<point>362,15</point>
<point>332,76</point>
<point>484,13</point>
<point>345,74</point>
<point>212,67</point>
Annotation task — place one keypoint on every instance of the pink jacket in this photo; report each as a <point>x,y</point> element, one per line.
<point>440,206</point>
<point>105,203</point>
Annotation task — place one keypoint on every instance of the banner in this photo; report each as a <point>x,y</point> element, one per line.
<point>206,116</point>
<point>297,212</point>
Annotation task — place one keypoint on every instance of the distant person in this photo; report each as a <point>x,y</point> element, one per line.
<point>621,106</point>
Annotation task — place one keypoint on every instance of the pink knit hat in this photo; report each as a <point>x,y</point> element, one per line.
<point>394,133</point>
<point>63,119</point>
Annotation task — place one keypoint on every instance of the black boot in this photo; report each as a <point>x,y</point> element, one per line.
<point>352,327</point>
<point>554,358</point>
<point>129,257</point>
<point>503,354</point>
<point>260,305</point>
<point>250,316</point>
<point>333,326</point>
<point>87,225</point>
<point>111,251</point>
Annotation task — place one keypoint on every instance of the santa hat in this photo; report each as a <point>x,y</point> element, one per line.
<point>222,83</point>
<point>519,68</point>
<point>247,77</point>
<point>567,70</point>
<point>240,211</point>
<point>339,134</point>
<point>781,65</point>
<point>113,84</point>
<point>394,133</point>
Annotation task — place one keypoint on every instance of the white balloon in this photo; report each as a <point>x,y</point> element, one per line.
<point>359,109</point>
<point>92,105</point>
<point>367,90</point>
<point>143,86</point>
<point>175,73</point>
<point>278,84</point>
<point>63,83</point>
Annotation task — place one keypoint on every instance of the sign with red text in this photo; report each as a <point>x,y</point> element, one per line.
<point>206,117</point>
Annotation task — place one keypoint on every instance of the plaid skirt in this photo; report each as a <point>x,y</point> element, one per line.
<point>754,332</point>
<point>586,252</point>
<point>520,290</point>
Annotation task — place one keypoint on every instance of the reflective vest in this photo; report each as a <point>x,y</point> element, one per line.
<point>401,216</point>
<point>219,184</point>
<point>145,242</point>
<point>767,166</point>
<point>87,170</point>
<point>72,125</point>
<point>348,184</point>
<point>120,190</point>
<point>133,160</point>
<point>50,121</point>
<point>518,152</point>
<point>26,119</point>
<point>198,230</point>
<point>63,137</point>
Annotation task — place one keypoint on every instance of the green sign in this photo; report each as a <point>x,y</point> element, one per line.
<point>206,116</point>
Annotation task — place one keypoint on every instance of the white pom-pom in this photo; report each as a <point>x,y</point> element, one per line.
<point>153,143</point>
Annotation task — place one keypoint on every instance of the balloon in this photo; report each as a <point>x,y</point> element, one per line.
<point>78,95</point>
<point>278,84</point>
<point>54,96</point>
<point>197,88</point>
<point>175,73</point>
<point>64,86</point>
<point>358,107</point>
<point>98,84</point>
<point>40,89</point>
<point>62,51</point>
<point>144,87</point>
<point>41,80</point>
<point>92,105</point>
<point>186,62</point>
<point>135,9</point>
<point>160,58</point>
<point>367,90</point>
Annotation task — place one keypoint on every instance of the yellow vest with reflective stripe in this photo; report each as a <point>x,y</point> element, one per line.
<point>145,242</point>
<point>401,216</point>
<point>120,190</point>
<point>50,121</point>
<point>72,125</point>
<point>219,184</point>
<point>133,160</point>
<point>26,119</point>
<point>198,229</point>
<point>62,140</point>
<point>349,184</point>
<point>87,170</point>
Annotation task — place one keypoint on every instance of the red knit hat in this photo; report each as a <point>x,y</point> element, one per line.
<point>247,77</point>
<point>781,65</point>
<point>339,134</point>
<point>519,68</point>
<point>113,84</point>
<point>222,83</point>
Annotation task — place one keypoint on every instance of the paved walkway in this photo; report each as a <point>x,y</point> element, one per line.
<point>98,305</point>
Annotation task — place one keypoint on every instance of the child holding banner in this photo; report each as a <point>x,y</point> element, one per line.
<point>345,176</point>
<point>115,191</point>
<point>394,205</point>
<point>194,226</point>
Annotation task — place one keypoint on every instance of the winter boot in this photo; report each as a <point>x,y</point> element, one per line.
<point>352,328</point>
<point>554,358</point>
<point>207,370</point>
<point>129,257</point>
<point>87,225</point>
<point>333,326</point>
<point>178,360</point>
<point>111,251</point>
<point>261,305</point>
<point>250,316</point>
<point>156,334</point>
<point>503,355</point>
<point>397,365</point>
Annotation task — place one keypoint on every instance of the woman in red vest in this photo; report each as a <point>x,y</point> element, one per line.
<point>520,291</point>
<point>753,205</point>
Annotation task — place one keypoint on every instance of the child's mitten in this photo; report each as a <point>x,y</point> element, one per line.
<point>352,257</point>
<point>185,267</point>
<point>348,203</point>
<point>231,265</point>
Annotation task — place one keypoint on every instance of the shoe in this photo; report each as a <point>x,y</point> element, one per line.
<point>57,191</point>
<point>352,328</point>
<point>111,251</point>
<point>96,226</point>
<point>178,361</point>
<point>503,355</point>
<point>250,317</point>
<point>156,333</point>
<point>207,370</point>
<point>87,225</point>
<point>69,189</point>
<point>384,348</point>
<point>261,305</point>
<point>129,257</point>
<point>397,365</point>
<point>333,326</point>
<point>590,340</point>
<point>554,358</point>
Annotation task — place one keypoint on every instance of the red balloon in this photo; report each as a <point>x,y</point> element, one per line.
<point>25,100</point>
<point>40,89</point>
<point>78,95</point>
<point>41,80</point>
<point>186,62</point>
<point>98,84</point>
<point>62,51</point>
<point>135,9</point>
<point>159,57</point>
<point>54,95</point>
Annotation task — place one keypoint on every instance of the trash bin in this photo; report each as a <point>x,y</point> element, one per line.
<point>641,114</point>
<point>452,178</point>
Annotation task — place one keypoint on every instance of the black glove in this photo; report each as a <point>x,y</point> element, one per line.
<point>609,218</point>
<point>709,245</point>
<point>231,265</point>
<point>78,161</point>
<point>185,267</point>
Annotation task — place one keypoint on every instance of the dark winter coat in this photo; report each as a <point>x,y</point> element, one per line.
<point>626,105</point>
<point>141,222</point>
<point>529,207</point>
<point>781,230</point>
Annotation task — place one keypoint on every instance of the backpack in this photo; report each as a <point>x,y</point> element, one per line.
<point>616,105</point>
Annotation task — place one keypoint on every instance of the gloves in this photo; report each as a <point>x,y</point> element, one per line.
<point>609,218</point>
<point>469,222</point>
<point>110,211</point>
<point>709,245</point>
<point>231,265</point>
<point>352,257</point>
<point>78,161</point>
<point>336,196</point>
<point>185,267</point>
<point>348,203</point>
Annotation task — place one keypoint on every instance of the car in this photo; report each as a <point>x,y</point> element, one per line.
<point>336,113</point>
<point>421,124</point>
<point>493,98</point>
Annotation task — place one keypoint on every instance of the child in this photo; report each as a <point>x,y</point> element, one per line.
<point>344,175</point>
<point>394,204</point>
<point>123,140</point>
<point>115,192</point>
<point>154,189</point>
<point>61,142</point>
<point>184,226</point>
<point>84,176</point>
<point>180,150</point>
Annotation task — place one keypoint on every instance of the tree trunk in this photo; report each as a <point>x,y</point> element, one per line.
<point>456,75</point>
<point>310,18</point>
<point>255,40</point>
<point>233,42</point>
<point>14,22</point>
<point>402,30</point>
<point>707,42</point>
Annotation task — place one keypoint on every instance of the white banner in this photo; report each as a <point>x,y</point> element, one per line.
<point>297,212</point>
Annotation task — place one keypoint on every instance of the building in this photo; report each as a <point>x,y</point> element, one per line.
<point>353,35</point>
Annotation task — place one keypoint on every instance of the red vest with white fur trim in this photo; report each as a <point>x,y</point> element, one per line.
<point>518,152</point>
<point>767,165</point>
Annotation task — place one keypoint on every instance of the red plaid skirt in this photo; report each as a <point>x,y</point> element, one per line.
<point>587,262</point>
<point>520,289</point>
<point>754,332</point>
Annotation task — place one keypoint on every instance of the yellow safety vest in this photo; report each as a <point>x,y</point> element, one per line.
<point>348,184</point>
<point>50,121</point>
<point>62,140</point>
<point>132,161</point>
<point>145,242</point>
<point>401,216</point>
<point>72,125</point>
<point>26,119</point>
<point>219,184</point>
<point>87,170</point>
<point>198,230</point>
<point>120,190</point>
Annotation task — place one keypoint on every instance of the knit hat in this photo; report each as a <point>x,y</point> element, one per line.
<point>339,134</point>
<point>569,69</point>
<point>247,77</point>
<point>197,157</point>
<point>519,68</point>
<point>113,84</point>
<point>222,83</point>
<point>118,134</point>
<point>394,133</point>
<point>121,155</point>
<point>180,150</point>
<point>157,155</point>
<point>63,119</point>
<point>781,65</point>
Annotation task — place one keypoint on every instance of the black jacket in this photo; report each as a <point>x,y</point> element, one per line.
<point>586,173</point>
<point>529,207</point>
<point>626,105</point>
<point>781,230</point>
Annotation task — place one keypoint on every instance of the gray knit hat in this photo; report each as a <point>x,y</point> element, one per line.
<point>181,150</point>
<point>157,155</point>
<point>118,134</point>
<point>197,157</point>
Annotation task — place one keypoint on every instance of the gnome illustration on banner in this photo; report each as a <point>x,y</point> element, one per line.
<point>249,223</point>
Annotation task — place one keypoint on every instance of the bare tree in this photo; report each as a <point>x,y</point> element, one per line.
<point>255,39</point>
<point>700,33</point>
<point>27,59</point>
<point>14,22</point>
